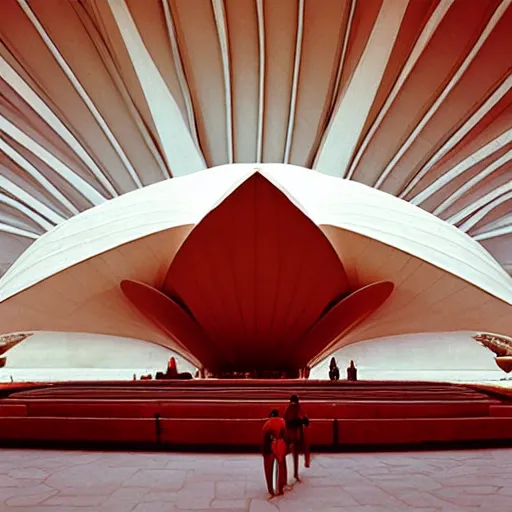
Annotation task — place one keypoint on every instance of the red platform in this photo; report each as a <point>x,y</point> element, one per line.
<point>217,414</point>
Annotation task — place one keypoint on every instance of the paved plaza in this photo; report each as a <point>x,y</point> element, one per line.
<point>66,481</point>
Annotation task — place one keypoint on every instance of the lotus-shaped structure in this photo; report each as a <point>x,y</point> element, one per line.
<point>244,267</point>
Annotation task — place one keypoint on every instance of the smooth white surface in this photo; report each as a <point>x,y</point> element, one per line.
<point>326,200</point>
<point>444,355</point>
<point>69,279</point>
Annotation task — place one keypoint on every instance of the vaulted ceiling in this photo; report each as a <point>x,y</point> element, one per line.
<point>100,97</point>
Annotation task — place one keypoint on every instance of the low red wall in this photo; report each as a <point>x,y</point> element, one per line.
<point>415,430</point>
<point>247,432</point>
<point>12,410</point>
<point>503,411</point>
<point>78,429</point>
<point>246,410</point>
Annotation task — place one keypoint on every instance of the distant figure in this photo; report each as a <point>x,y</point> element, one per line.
<point>334,371</point>
<point>296,426</point>
<point>275,448</point>
<point>304,372</point>
<point>172,370</point>
<point>352,372</point>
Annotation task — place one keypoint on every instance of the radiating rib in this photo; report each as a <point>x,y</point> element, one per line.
<point>449,87</point>
<point>36,205</point>
<point>295,82</point>
<point>493,100</point>
<point>479,203</point>
<point>480,214</point>
<point>341,64</point>
<point>261,86</point>
<point>109,64</point>
<point>505,230</point>
<point>37,176</point>
<point>340,139</point>
<point>92,195</point>
<point>5,228</point>
<point>179,149</point>
<point>483,153</point>
<point>40,107</point>
<point>31,214</point>
<point>180,72</point>
<point>80,90</point>
<point>420,45</point>
<point>495,224</point>
<point>222,34</point>
<point>468,185</point>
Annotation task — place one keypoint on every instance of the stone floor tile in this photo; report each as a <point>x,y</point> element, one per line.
<point>196,496</point>
<point>28,473</point>
<point>75,501</point>
<point>165,496</point>
<point>34,489</point>
<point>60,481</point>
<point>371,495</point>
<point>229,504</point>
<point>154,507</point>
<point>165,479</point>
<point>231,490</point>
<point>261,505</point>
<point>90,476</point>
<point>130,493</point>
<point>29,500</point>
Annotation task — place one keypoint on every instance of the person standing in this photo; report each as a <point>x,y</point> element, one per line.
<point>334,371</point>
<point>352,372</point>
<point>296,424</point>
<point>275,447</point>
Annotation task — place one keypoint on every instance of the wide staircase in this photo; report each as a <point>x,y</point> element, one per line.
<point>222,415</point>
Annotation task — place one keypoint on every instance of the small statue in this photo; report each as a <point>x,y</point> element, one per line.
<point>352,372</point>
<point>334,371</point>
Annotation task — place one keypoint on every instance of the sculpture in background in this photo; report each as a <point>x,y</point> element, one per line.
<point>8,341</point>
<point>172,372</point>
<point>334,371</point>
<point>352,372</point>
<point>501,346</point>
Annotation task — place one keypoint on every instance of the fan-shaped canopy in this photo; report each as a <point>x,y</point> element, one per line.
<point>102,97</point>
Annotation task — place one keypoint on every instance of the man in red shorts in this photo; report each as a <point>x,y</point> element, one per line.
<point>275,446</point>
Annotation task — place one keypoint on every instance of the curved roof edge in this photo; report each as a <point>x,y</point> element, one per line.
<point>326,200</point>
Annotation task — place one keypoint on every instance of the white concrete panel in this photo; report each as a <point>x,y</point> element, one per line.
<point>54,350</point>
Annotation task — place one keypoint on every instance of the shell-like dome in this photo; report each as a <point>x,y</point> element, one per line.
<point>237,266</point>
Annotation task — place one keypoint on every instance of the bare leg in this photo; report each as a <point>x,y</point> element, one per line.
<point>283,476</point>
<point>296,463</point>
<point>267,466</point>
<point>307,452</point>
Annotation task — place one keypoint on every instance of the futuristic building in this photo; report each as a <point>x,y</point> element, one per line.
<point>242,268</point>
<point>103,101</point>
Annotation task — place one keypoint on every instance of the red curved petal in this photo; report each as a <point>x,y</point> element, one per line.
<point>171,318</point>
<point>256,273</point>
<point>343,317</point>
